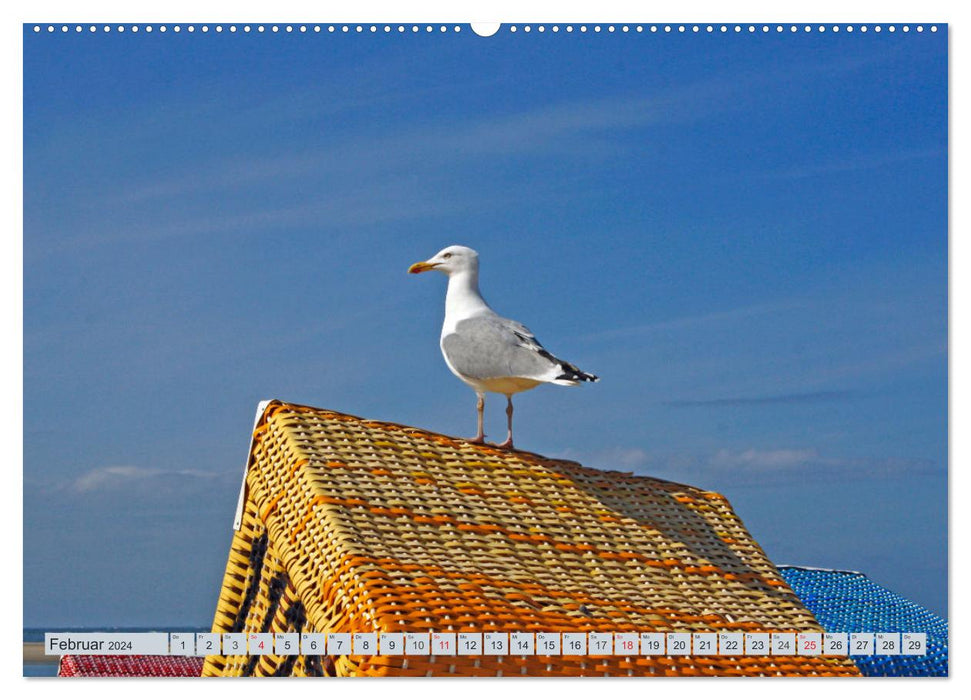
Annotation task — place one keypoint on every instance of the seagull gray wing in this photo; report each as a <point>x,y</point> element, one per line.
<point>487,347</point>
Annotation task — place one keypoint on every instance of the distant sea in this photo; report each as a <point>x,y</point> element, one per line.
<point>36,634</point>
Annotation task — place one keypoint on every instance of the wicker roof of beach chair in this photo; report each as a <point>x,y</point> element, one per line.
<point>354,525</point>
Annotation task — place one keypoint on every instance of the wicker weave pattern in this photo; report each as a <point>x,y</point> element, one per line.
<point>353,525</point>
<point>130,666</point>
<point>845,601</point>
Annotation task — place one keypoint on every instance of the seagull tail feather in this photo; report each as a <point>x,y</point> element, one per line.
<point>572,375</point>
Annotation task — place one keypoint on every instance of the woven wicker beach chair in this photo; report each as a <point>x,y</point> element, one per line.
<point>352,525</point>
<point>130,666</point>
<point>848,601</point>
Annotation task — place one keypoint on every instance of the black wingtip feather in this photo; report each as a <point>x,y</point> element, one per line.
<point>574,374</point>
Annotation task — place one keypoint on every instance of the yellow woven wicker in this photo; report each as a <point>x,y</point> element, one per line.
<point>352,525</point>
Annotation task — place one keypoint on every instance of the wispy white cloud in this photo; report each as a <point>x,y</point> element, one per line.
<point>829,343</point>
<point>788,398</point>
<point>749,466</point>
<point>890,360</point>
<point>384,202</point>
<point>764,460</point>
<point>864,161</point>
<point>692,321</point>
<point>135,478</point>
<point>223,174</point>
<point>563,128</point>
<point>620,457</point>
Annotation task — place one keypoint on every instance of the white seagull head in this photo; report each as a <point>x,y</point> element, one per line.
<point>451,260</point>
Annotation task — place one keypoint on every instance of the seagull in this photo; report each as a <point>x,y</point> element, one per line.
<point>486,351</point>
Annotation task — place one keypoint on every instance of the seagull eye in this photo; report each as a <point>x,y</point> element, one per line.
<point>447,256</point>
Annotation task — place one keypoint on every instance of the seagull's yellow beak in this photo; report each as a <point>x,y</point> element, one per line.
<point>422,267</point>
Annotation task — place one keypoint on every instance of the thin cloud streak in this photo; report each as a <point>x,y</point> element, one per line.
<point>549,129</point>
<point>795,398</point>
<point>342,210</point>
<point>699,320</point>
<point>133,477</point>
<point>852,164</point>
<point>751,466</point>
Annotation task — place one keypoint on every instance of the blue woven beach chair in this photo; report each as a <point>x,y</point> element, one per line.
<point>847,601</point>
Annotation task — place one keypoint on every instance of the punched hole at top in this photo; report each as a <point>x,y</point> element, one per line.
<point>485,28</point>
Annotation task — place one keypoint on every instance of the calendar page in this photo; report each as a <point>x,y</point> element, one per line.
<point>665,392</point>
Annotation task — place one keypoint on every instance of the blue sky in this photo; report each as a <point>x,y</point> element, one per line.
<point>745,236</point>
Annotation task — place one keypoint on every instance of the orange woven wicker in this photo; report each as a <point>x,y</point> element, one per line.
<point>353,525</point>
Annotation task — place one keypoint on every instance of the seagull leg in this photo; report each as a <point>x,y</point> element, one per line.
<point>508,442</point>
<point>479,407</point>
